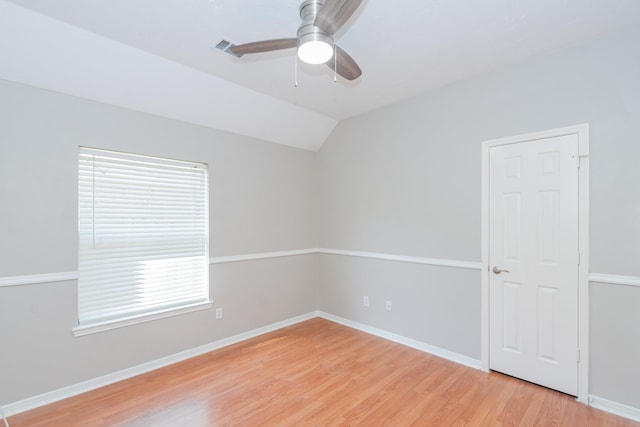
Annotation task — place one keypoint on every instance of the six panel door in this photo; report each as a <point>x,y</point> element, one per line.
<point>533,259</point>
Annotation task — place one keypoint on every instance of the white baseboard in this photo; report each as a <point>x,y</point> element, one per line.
<point>615,408</point>
<point>409,342</point>
<point>595,401</point>
<point>92,384</point>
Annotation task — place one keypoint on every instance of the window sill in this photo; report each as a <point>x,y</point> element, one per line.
<point>81,330</point>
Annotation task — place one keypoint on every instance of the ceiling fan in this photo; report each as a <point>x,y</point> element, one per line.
<point>314,40</point>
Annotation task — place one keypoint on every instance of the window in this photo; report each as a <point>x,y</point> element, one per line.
<point>143,238</point>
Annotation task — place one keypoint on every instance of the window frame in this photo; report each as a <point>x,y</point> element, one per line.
<point>113,321</point>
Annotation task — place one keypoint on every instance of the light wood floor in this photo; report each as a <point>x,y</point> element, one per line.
<point>318,373</point>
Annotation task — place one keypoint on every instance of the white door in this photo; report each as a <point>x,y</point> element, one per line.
<point>533,261</point>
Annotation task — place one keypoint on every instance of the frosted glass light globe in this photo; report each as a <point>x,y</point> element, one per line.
<point>315,52</point>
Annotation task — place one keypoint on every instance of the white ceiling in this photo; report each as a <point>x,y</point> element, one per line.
<point>404,47</point>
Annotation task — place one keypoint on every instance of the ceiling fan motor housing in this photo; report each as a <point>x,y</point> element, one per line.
<point>307,32</point>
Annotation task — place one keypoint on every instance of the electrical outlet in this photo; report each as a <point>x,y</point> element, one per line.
<point>219,313</point>
<point>365,301</point>
<point>388,306</point>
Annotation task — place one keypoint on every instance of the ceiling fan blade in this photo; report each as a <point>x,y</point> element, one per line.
<point>263,46</point>
<point>334,13</point>
<point>345,65</point>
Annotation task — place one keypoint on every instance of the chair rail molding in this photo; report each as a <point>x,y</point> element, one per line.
<point>613,279</point>
<point>33,279</point>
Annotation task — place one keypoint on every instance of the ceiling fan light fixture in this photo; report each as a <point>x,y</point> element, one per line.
<point>320,19</point>
<point>315,48</point>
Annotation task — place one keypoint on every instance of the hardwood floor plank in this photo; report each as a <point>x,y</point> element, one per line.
<point>318,373</point>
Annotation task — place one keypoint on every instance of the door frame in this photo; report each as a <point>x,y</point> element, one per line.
<point>582,131</point>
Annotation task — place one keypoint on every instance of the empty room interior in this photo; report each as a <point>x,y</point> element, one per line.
<point>432,219</point>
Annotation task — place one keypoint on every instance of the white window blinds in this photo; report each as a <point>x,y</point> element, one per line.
<point>143,235</point>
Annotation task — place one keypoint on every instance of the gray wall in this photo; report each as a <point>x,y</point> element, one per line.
<point>400,180</point>
<point>262,199</point>
<point>436,305</point>
<point>405,180</point>
<point>615,343</point>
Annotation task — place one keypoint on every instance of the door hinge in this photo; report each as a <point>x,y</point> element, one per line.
<point>578,355</point>
<point>579,258</point>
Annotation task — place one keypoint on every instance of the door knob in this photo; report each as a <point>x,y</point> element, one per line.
<point>498,270</point>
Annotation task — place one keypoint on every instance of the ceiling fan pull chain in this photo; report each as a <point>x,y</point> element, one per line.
<point>295,72</point>
<point>335,64</point>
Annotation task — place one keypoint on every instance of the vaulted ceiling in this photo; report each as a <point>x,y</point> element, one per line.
<point>404,47</point>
